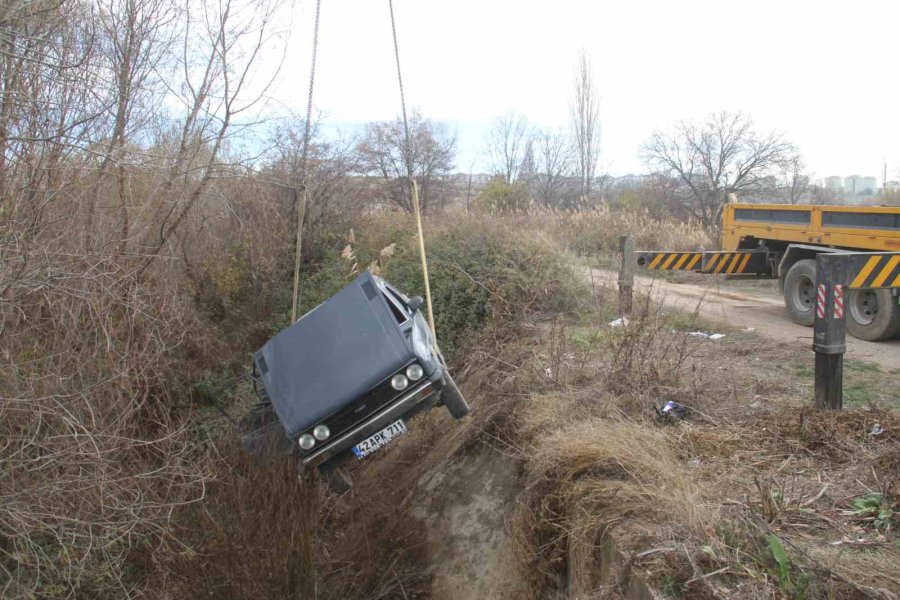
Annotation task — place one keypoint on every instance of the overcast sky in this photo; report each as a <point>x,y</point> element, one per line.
<point>823,73</point>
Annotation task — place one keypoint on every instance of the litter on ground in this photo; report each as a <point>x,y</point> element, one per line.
<point>703,334</point>
<point>672,410</point>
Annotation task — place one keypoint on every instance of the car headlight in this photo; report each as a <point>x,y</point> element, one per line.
<point>306,441</point>
<point>321,432</point>
<point>399,382</point>
<point>414,372</point>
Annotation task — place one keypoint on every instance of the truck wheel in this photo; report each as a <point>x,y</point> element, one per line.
<point>336,477</point>
<point>800,292</point>
<point>872,315</point>
<point>453,399</point>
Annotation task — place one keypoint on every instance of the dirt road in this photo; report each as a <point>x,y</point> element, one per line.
<point>763,312</point>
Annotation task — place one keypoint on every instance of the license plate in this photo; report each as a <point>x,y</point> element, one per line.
<point>376,441</point>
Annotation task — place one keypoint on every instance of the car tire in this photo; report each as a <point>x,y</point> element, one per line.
<point>800,292</point>
<point>336,477</point>
<point>453,399</point>
<point>872,315</point>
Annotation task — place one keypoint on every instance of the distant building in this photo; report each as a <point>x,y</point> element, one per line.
<point>892,186</point>
<point>856,185</point>
<point>632,182</point>
<point>477,179</point>
<point>834,183</point>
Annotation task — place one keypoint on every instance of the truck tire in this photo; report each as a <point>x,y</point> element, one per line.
<point>453,399</point>
<point>800,292</point>
<point>872,315</point>
<point>336,477</point>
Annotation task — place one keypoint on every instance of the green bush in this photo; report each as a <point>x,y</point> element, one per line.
<point>483,271</point>
<point>501,197</point>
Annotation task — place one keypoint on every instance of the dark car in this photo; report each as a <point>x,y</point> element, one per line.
<point>346,377</point>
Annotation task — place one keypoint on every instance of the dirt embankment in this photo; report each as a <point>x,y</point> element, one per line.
<point>466,507</point>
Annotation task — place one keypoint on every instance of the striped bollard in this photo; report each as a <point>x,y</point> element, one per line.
<point>829,333</point>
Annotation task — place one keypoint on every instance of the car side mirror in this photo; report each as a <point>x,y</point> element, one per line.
<point>415,303</point>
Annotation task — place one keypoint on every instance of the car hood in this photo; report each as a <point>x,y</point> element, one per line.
<point>331,356</point>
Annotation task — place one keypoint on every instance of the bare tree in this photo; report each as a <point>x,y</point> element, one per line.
<point>50,74</point>
<point>220,67</point>
<point>329,165</point>
<point>584,112</point>
<point>823,195</point>
<point>720,156</point>
<point>95,458</point>
<point>138,39</point>
<point>554,168</point>
<point>507,143</point>
<point>796,183</point>
<point>383,152</point>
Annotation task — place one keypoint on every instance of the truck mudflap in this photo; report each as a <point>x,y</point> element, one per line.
<point>740,262</point>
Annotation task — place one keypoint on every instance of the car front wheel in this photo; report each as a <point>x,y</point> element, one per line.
<point>336,477</point>
<point>453,399</point>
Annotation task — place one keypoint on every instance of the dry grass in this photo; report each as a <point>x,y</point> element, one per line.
<point>700,508</point>
<point>794,473</point>
<point>590,476</point>
<point>597,232</point>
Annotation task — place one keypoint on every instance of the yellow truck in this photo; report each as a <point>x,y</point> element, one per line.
<point>781,242</point>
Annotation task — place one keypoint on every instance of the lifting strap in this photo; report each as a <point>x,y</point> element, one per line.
<point>414,190</point>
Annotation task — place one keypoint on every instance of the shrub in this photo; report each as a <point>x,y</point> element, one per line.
<point>95,458</point>
<point>501,197</point>
<point>482,270</point>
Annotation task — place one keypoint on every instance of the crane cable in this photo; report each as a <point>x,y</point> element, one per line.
<point>414,191</point>
<point>304,165</point>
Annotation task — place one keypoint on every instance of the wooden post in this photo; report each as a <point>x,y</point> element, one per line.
<point>626,274</point>
<point>829,333</point>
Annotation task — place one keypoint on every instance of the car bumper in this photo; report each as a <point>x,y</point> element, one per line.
<point>424,391</point>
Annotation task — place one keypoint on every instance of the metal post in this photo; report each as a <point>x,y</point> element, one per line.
<point>829,337</point>
<point>626,274</point>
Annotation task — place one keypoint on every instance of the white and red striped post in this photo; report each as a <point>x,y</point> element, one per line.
<point>821,300</point>
<point>830,336</point>
<point>838,301</point>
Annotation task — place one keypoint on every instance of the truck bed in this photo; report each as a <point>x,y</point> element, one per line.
<point>853,227</point>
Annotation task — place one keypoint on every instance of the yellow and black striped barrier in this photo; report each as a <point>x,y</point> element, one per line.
<point>868,270</point>
<point>671,261</point>
<point>741,262</point>
<point>747,262</point>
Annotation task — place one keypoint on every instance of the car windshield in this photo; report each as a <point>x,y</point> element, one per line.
<point>403,298</point>
<point>396,304</point>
